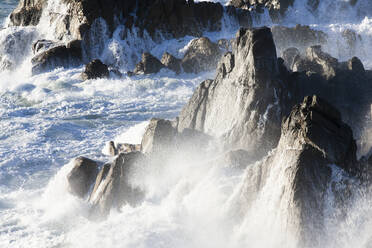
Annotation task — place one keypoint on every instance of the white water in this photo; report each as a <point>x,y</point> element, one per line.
<point>48,119</point>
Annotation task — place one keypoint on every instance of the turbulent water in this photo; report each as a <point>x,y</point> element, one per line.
<point>48,119</point>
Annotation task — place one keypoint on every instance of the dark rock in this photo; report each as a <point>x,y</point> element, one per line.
<point>82,176</point>
<point>300,36</point>
<point>42,45</point>
<point>202,55</point>
<point>171,62</point>
<point>59,56</point>
<point>112,188</point>
<point>27,13</point>
<point>95,69</point>
<point>148,65</point>
<point>112,149</point>
<point>159,136</point>
<point>289,55</point>
<point>355,65</point>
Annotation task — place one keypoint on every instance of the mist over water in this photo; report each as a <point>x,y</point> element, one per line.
<point>48,119</point>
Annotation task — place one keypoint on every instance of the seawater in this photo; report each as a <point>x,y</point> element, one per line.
<point>48,119</point>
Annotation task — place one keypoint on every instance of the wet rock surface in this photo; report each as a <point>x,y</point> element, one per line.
<point>171,62</point>
<point>95,69</point>
<point>148,65</point>
<point>82,176</point>
<point>201,55</point>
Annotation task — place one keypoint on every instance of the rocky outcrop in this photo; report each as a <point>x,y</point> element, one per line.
<point>171,62</point>
<point>159,136</point>
<point>28,12</point>
<point>42,45</point>
<point>113,188</point>
<point>148,65</point>
<point>246,92</point>
<point>174,18</point>
<point>289,56</point>
<point>60,56</point>
<point>95,69</point>
<point>300,36</point>
<point>201,55</point>
<point>82,176</point>
<point>314,142</point>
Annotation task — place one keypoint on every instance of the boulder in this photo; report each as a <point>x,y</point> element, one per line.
<point>171,62</point>
<point>82,176</point>
<point>356,66</point>
<point>60,56</point>
<point>95,69</point>
<point>27,13</point>
<point>148,65</point>
<point>327,63</point>
<point>128,148</point>
<point>246,92</point>
<point>201,55</point>
<point>112,188</point>
<point>159,136</point>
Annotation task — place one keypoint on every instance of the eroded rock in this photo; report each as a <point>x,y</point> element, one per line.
<point>82,176</point>
<point>171,62</point>
<point>202,55</point>
<point>95,69</point>
<point>159,136</point>
<point>148,65</point>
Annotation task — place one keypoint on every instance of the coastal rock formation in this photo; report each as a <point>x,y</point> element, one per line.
<point>159,136</point>
<point>171,62</point>
<point>95,69</point>
<point>112,187</point>
<point>314,141</point>
<point>246,92</point>
<point>28,12</point>
<point>82,176</point>
<point>201,55</point>
<point>60,56</point>
<point>148,65</point>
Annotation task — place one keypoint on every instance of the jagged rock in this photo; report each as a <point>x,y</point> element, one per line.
<point>289,56</point>
<point>112,150</point>
<point>171,62</point>
<point>112,188</point>
<point>82,176</point>
<point>277,8</point>
<point>148,65</point>
<point>42,45</point>
<point>176,18</point>
<point>314,141</point>
<point>355,65</point>
<point>95,69</point>
<point>224,44</point>
<point>202,55</point>
<point>159,136</point>
<point>60,56</point>
<point>28,12</point>
<point>327,62</point>
<point>246,93</point>
<point>300,36</point>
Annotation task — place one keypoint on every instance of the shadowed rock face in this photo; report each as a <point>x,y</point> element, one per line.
<point>175,18</point>
<point>148,65</point>
<point>82,176</point>
<point>95,69</point>
<point>27,13</point>
<point>241,105</point>
<point>112,188</point>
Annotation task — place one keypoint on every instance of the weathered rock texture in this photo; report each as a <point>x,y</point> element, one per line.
<point>28,12</point>
<point>113,188</point>
<point>313,140</point>
<point>95,69</point>
<point>241,105</point>
<point>202,55</point>
<point>82,176</point>
<point>60,56</point>
<point>148,65</point>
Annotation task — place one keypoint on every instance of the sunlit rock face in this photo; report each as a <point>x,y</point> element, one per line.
<point>242,105</point>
